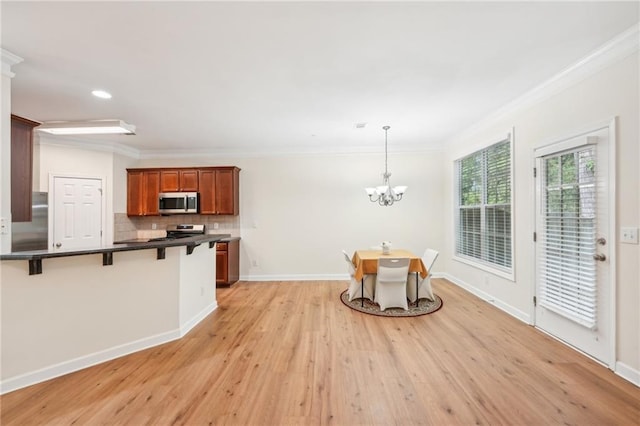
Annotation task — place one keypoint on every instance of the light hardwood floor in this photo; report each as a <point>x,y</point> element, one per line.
<point>290,353</point>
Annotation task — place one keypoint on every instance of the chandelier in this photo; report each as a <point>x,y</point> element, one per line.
<point>385,195</point>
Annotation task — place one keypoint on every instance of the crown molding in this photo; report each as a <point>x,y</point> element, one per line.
<point>613,51</point>
<point>261,152</point>
<point>8,60</point>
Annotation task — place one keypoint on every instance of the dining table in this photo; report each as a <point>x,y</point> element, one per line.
<point>365,262</point>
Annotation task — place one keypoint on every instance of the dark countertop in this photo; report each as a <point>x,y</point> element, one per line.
<point>227,238</point>
<point>35,256</point>
<point>127,246</point>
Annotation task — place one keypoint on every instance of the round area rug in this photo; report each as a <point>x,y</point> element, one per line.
<point>424,307</point>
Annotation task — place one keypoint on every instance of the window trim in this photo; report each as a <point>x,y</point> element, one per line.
<point>504,272</point>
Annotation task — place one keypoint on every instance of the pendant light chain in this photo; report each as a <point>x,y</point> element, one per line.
<point>386,129</point>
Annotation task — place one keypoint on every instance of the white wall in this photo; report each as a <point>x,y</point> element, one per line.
<point>198,285</point>
<point>120,165</point>
<point>612,92</point>
<point>299,212</point>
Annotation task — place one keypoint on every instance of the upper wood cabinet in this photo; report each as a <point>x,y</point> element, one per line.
<point>21,168</point>
<point>218,187</point>
<point>143,188</point>
<point>220,190</point>
<point>173,180</point>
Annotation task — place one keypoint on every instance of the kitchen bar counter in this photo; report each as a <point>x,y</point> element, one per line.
<point>35,256</point>
<point>78,313</point>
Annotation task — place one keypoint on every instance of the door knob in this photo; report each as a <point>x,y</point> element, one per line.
<point>58,245</point>
<point>601,241</point>
<point>600,257</point>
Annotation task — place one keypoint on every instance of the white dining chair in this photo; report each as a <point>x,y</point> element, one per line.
<point>424,285</point>
<point>357,287</point>
<point>391,283</point>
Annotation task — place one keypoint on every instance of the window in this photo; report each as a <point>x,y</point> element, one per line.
<point>483,225</point>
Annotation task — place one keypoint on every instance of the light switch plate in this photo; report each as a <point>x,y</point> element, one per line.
<point>629,235</point>
<point>3,226</point>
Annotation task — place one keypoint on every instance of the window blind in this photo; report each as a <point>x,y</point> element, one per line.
<point>568,238</point>
<point>483,226</point>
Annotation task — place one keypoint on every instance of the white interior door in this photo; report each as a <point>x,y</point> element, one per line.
<point>77,213</point>
<point>573,289</point>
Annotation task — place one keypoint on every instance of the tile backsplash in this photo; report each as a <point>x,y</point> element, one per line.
<point>126,228</point>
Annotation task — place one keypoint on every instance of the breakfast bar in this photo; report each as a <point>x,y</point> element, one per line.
<point>63,310</point>
<point>35,257</point>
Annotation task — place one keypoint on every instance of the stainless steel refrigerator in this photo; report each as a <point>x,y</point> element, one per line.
<point>27,236</point>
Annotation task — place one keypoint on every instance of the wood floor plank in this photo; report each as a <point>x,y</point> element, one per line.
<point>290,353</point>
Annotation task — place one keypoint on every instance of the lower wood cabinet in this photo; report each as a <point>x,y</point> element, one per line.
<point>227,263</point>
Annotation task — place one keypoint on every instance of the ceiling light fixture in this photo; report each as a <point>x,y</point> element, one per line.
<point>385,195</point>
<point>101,94</point>
<point>93,127</point>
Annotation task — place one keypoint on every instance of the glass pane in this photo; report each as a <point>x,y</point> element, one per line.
<point>498,174</point>
<point>570,201</point>
<point>471,180</point>
<point>470,232</point>
<point>587,167</point>
<point>551,167</point>
<point>553,201</point>
<point>569,171</point>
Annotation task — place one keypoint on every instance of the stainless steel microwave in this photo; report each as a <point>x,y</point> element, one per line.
<point>178,202</point>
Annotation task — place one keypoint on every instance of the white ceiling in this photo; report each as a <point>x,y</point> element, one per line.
<point>242,77</point>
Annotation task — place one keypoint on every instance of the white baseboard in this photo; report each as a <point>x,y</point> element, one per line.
<point>66,367</point>
<point>628,373</point>
<point>187,326</point>
<point>82,362</point>
<point>517,313</point>
<point>299,277</point>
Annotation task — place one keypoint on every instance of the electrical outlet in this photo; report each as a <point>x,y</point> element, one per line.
<point>3,226</point>
<point>629,235</point>
<point>215,225</point>
<point>254,262</point>
<point>154,226</point>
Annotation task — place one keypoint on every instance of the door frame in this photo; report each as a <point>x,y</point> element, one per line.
<point>611,125</point>
<point>103,206</point>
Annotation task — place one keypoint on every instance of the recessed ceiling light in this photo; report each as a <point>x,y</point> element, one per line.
<point>360,125</point>
<point>101,94</point>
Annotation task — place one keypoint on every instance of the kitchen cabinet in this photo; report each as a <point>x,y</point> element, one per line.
<point>227,262</point>
<point>21,168</point>
<point>173,180</point>
<point>219,190</point>
<point>143,188</point>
